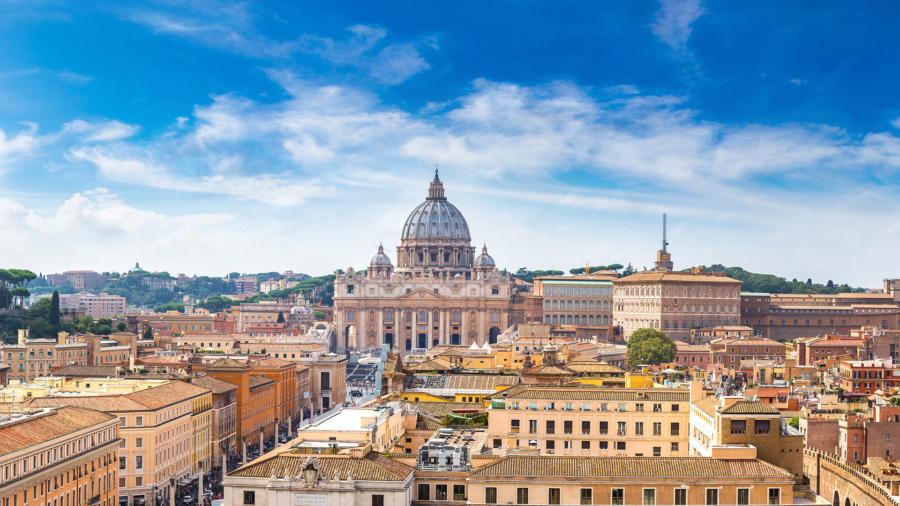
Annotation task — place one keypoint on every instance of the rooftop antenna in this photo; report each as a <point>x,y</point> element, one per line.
<point>664,242</point>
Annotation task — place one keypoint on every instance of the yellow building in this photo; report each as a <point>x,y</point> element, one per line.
<point>201,424</point>
<point>52,385</point>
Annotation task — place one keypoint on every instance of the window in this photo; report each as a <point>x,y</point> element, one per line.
<point>738,426</point>
<point>490,495</point>
<point>762,426</point>
<point>551,445</point>
<point>618,496</point>
<point>712,496</point>
<point>249,497</point>
<point>551,427</point>
<point>585,445</point>
<point>657,408</point>
<point>459,492</point>
<point>680,497</point>
<point>424,492</point>
<point>139,421</point>
<point>377,500</point>
<point>139,442</point>
<point>138,462</point>
<point>553,497</point>
<point>587,496</point>
<point>743,496</point>
<point>657,428</point>
<point>774,496</point>
<point>440,492</point>
<point>121,462</point>
<point>674,429</point>
<point>657,451</point>
<point>638,428</point>
<point>585,427</point>
<point>521,496</point>
<point>603,427</point>
<point>622,431</point>
<point>567,426</point>
<point>567,445</point>
<point>620,446</point>
<point>675,447</point>
<point>650,496</point>
<point>532,426</point>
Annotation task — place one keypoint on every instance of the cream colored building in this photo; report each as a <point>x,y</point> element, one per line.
<point>648,422</point>
<point>440,292</point>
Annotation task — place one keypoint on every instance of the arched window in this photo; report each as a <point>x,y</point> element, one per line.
<point>371,316</point>
<point>577,320</point>
<point>605,320</point>
<point>456,316</point>
<point>867,322</point>
<point>584,304</point>
<point>782,321</point>
<point>569,304</point>
<point>547,319</point>
<point>684,325</point>
<point>666,324</point>
<point>409,316</point>
<point>819,322</point>
<point>389,316</point>
<point>590,320</point>
<point>546,304</point>
<point>577,304</point>
<point>795,322</point>
<point>685,308</point>
<point>495,317</point>
<point>555,319</point>
<point>842,322</point>
<point>693,308</point>
<point>422,317</point>
<point>591,305</point>
<point>569,320</point>
<point>555,304</point>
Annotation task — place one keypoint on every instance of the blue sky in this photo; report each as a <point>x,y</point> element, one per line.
<point>209,136</point>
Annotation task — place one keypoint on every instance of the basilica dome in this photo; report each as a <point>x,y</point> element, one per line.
<point>484,260</point>
<point>380,258</point>
<point>436,219</point>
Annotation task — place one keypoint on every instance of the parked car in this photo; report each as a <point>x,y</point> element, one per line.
<point>187,499</point>
<point>356,393</point>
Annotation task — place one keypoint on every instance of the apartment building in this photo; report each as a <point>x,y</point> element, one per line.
<point>157,433</point>
<point>103,305</point>
<point>79,280</point>
<point>284,374</point>
<point>57,456</point>
<point>33,358</point>
<point>559,479</point>
<point>729,352</point>
<point>639,422</point>
<point>864,377</point>
<point>254,398</point>
<point>734,425</point>
<point>224,412</point>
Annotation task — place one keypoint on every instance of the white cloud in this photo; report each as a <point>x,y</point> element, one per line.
<point>674,19</point>
<point>798,82</point>
<point>72,77</point>
<point>105,131</point>
<point>624,89</point>
<point>230,26</point>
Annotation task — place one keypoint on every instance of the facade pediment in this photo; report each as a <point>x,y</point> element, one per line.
<point>422,293</point>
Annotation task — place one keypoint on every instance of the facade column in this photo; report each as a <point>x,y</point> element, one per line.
<point>380,334</point>
<point>463,328</point>
<point>414,336</point>
<point>430,318</point>
<point>443,323</point>
<point>480,337</point>
<point>244,454</point>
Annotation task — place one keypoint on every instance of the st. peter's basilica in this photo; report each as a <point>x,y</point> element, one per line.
<point>439,293</point>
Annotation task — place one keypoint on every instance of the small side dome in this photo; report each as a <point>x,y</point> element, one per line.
<point>457,276</point>
<point>381,258</point>
<point>484,260</point>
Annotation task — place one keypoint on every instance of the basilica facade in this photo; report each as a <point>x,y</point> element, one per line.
<point>438,293</point>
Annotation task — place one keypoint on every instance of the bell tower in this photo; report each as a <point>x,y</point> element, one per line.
<point>663,257</point>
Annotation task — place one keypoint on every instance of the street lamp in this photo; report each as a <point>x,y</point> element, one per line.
<point>172,491</point>
<point>200,482</point>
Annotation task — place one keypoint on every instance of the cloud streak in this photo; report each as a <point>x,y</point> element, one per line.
<point>673,22</point>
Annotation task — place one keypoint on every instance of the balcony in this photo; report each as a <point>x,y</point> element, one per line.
<point>94,500</point>
<point>622,433</point>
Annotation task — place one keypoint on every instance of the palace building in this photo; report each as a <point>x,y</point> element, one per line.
<point>440,292</point>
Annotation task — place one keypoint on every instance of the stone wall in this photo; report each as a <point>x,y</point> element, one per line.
<point>844,483</point>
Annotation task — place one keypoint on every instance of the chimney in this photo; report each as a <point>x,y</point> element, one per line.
<point>61,337</point>
<point>131,361</point>
<point>23,335</point>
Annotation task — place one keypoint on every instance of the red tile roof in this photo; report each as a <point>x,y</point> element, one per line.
<point>19,435</point>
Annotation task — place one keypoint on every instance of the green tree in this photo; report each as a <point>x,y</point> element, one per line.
<point>19,293</point>
<point>280,317</point>
<point>148,333</point>
<point>121,327</point>
<point>40,309</point>
<point>628,271</point>
<point>54,310</point>
<point>614,267</point>
<point>40,327</point>
<point>649,347</point>
<point>830,284</point>
<point>320,315</point>
<point>234,275</point>
<point>794,422</point>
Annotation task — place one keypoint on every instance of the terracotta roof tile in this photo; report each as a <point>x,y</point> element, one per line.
<point>373,467</point>
<point>600,394</point>
<point>748,408</point>
<point>86,371</point>
<point>439,410</point>
<point>641,467</point>
<point>259,381</point>
<point>708,405</point>
<point>214,385</point>
<point>35,430</point>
